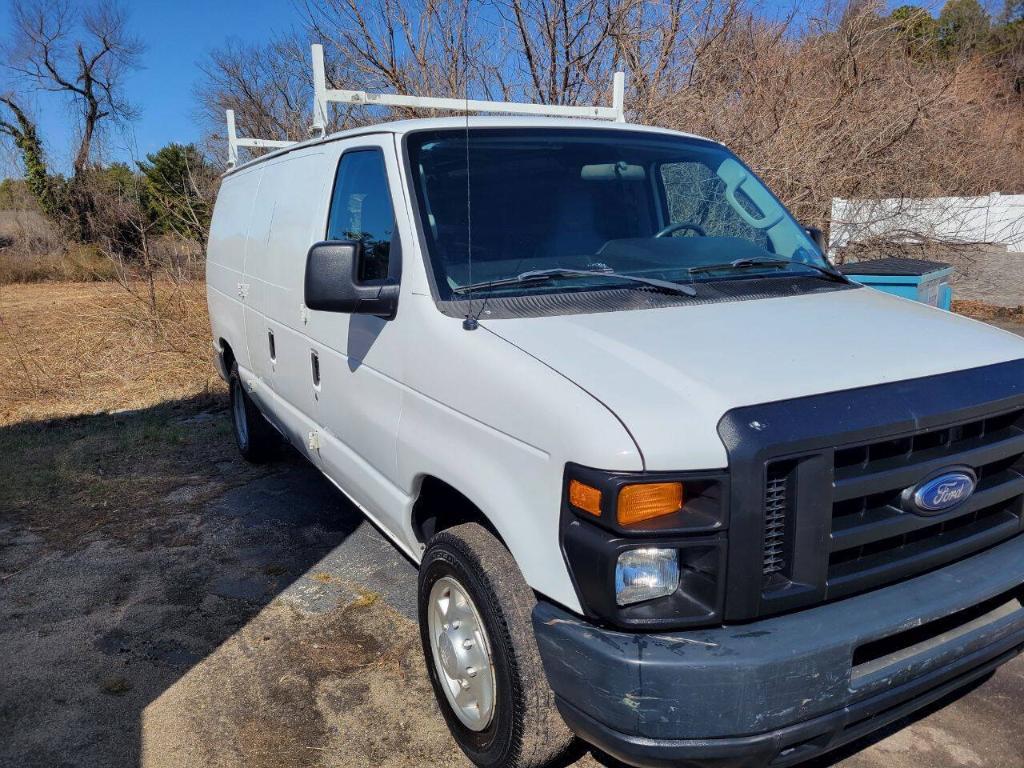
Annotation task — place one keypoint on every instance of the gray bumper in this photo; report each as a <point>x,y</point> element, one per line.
<point>781,689</point>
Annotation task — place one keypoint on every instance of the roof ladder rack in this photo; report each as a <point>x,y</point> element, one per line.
<point>323,95</point>
<point>234,141</point>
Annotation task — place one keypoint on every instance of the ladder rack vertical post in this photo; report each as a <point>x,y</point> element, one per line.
<point>232,139</point>
<point>319,127</point>
<point>619,96</point>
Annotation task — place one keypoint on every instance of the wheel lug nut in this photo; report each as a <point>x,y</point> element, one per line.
<point>468,644</point>
<point>464,684</point>
<point>471,672</point>
<point>456,624</point>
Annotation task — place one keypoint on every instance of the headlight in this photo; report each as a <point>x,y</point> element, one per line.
<point>644,574</point>
<point>646,550</point>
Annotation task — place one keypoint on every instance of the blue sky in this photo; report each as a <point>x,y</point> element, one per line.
<point>178,35</point>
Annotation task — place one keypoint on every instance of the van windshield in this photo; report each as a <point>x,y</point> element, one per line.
<point>625,202</point>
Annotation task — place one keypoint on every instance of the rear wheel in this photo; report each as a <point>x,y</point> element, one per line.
<point>257,441</point>
<point>475,624</point>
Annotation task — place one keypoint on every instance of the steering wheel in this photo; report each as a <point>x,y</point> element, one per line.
<point>681,225</point>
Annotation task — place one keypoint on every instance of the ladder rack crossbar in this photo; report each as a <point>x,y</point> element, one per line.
<point>235,141</point>
<point>471,105</point>
<point>263,143</point>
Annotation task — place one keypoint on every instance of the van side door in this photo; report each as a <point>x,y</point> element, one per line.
<point>361,360</point>
<point>288,215</point>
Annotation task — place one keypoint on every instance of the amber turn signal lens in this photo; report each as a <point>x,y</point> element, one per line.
<point>585,497</point>
<point>648,500</point>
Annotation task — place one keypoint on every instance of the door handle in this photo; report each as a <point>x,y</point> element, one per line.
<point>314,362</point>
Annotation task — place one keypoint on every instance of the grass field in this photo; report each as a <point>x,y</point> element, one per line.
<point>84,348</point>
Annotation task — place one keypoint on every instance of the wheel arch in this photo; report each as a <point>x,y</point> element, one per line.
<point>440,505</point>
<point>225,357</point>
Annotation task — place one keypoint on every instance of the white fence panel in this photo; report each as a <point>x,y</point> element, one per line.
<point>994,219</point>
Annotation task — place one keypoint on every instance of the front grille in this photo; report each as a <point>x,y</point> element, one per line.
<point>819,486</point>
<point>875,541</point>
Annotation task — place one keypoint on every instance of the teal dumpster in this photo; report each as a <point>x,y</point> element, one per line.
<point>917,279</point>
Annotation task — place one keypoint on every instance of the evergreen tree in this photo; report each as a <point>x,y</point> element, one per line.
<point>963,25</point>
<point>176,181</point>
<point>917,28</point>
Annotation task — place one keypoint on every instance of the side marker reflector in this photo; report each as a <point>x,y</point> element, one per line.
<point>585,497</point>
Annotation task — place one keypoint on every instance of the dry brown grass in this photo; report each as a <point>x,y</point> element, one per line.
<point>81,348</point>
<point>75,263</point>
<point>979,310</point>
<point>32,251</point>
<point>28,226</point>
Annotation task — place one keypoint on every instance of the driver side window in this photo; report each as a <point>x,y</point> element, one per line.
<point>361,210</point>
<point>695,194</point>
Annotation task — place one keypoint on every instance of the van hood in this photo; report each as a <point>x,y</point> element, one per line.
<point>670,374</point>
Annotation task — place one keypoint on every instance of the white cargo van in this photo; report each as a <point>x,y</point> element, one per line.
<point>674,485</point>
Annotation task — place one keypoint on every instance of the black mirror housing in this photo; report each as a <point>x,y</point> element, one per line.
<point>332,282</point>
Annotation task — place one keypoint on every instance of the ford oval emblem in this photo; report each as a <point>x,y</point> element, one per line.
<point>944,491</point>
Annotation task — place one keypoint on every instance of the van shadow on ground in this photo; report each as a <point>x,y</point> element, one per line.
<point>138,554</point>
<point>164,604</point>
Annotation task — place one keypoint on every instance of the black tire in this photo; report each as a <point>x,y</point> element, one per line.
<point>526,730</point>
<point>257,441</point>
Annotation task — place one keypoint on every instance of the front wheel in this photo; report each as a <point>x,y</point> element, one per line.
<point>475,624</point>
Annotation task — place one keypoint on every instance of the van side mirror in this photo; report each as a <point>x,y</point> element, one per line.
<point>818,237</point>
<point>332,282</point>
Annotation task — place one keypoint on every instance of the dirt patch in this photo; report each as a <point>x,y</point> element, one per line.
<point>344,688</point>
<point>152,614</point>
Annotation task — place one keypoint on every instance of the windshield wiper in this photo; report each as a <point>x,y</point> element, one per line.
<point>557,273</point>
<point>767,262</point>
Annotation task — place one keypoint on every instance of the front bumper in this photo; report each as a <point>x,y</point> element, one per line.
<point>780,690</point>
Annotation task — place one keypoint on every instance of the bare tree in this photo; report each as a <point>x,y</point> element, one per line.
<point>270,87</point>
<point>82,55</point>
<point>424,46</point>
<point>418,47</point>
<point>563,49</point>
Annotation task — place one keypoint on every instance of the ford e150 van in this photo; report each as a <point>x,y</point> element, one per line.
<point>674,485</point>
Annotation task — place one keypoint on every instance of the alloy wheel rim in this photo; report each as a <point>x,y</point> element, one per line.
<point>461,652</point>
